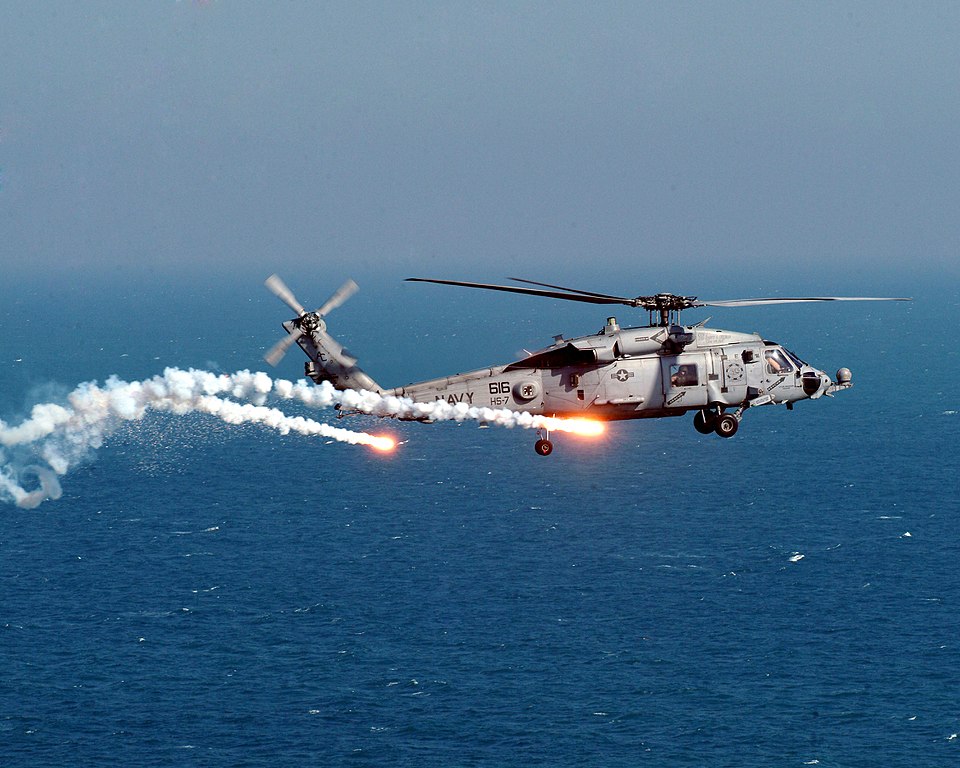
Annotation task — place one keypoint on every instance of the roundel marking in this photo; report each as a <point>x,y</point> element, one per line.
<point>526,390</point>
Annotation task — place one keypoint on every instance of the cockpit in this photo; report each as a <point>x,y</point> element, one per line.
<point>780,359</point>
<point>777,361</point>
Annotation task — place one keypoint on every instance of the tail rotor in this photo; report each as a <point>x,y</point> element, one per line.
<point>309,323</point>
<point>329,360</point>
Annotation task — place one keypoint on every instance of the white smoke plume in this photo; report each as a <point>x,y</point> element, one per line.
<point>57,437</point>
<point>61,436</point>
<point>49,486</point>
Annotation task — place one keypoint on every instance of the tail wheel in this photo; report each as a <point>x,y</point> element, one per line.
<point>543,447</point>
<point>727,425</point>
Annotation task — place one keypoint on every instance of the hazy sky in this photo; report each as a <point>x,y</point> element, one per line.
<point>601,142</point>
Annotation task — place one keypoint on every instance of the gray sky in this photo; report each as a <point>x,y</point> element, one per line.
<point>650,143</point>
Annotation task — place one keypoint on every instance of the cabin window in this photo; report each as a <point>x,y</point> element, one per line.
<point>684,375</point>
<point>777,362</point>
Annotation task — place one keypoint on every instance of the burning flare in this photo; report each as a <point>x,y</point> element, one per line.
<point>576,426</point>
<point>383,443</point>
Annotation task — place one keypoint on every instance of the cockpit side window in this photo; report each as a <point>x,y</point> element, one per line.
<point>777,362</point>
<point>684,375</point>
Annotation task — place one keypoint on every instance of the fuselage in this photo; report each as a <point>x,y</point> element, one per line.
<point>629,373</point>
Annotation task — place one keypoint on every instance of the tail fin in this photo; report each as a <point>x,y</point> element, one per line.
<point>329,361</point>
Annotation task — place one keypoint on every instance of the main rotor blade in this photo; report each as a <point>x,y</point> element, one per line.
<point>572,290</point>
<point>278,350</point>
<point>342,293</point>
<point>280,290</point>
<point>756,302</point>
<point>600,299</point>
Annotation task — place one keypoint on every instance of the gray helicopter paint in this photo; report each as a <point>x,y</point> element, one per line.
<point>653,371</point>
<point>613,385</point>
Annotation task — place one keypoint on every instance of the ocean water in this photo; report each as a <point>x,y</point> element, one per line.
<point>206,594</point>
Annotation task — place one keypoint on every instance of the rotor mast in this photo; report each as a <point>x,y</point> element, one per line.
<point>664,308</point>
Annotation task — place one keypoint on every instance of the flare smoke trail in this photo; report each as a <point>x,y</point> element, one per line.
<point>61,436</point>
<point>376,404</point>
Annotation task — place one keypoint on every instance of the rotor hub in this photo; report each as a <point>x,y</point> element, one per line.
<point>312,322</point>
<point>668,302</point>
<point>665,308</point>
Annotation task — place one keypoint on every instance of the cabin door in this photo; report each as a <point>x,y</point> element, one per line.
<point>684,380</point>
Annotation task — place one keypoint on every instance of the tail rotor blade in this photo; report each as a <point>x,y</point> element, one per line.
<point>342,293</point>
<point>282,292</point>
<point>276,353</point>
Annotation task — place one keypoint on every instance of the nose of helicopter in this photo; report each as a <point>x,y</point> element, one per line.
<point>816,383</point>
<point>844,381</point>
<point>825,383</point>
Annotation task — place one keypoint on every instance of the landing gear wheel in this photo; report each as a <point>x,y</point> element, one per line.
<point>727,425</point>
<point>543,447</point>
<point>703,423</point>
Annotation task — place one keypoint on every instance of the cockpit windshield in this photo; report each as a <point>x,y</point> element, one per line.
<point>800,363</point>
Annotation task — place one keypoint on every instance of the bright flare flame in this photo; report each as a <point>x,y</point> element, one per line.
<point>583,427</point>
<point>382,443</point>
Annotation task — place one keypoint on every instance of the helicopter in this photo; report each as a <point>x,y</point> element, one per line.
<point>661,369</point>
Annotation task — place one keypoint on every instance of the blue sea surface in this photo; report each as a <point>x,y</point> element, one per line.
<point>217,595</point>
